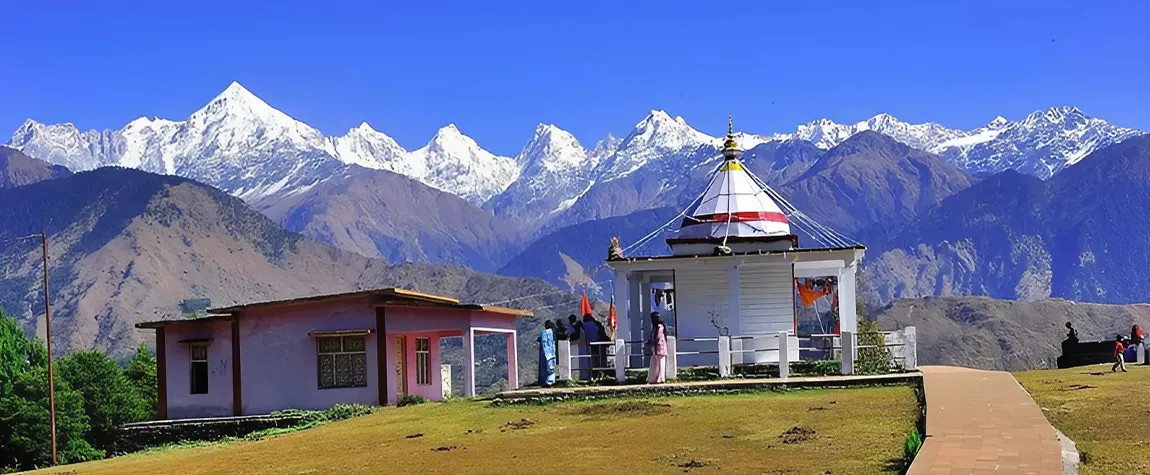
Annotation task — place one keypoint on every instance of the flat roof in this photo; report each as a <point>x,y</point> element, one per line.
<point>737,254</point>
<point>385,296</point>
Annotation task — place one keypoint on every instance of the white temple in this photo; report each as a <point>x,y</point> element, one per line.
<point>732,268</point>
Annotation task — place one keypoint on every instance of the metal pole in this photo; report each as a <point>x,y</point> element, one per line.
<point>48,337</point>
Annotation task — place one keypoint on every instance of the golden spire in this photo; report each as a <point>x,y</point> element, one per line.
<point>730,143</point>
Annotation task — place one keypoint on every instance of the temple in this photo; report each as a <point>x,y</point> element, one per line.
<point>734,269</point>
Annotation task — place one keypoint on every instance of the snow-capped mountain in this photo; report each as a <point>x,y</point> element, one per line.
<point>825,133</point>
<point>658,137</point>
<point>456,164</point>
<point>556,169</point>
<point>239,143</point>
<point>1041,144</point>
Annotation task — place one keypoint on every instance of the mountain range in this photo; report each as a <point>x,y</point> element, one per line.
<point>128,246</point>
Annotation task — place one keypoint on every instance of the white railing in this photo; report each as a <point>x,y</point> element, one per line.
<point>782,349</point>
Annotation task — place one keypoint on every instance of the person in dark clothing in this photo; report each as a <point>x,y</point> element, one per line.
<point>574,328</point>
<point>575,335</point>
<point>1071,333</point>
<point>560,329</point>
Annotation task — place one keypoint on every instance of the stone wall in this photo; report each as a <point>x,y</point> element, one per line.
<point>141,435</point>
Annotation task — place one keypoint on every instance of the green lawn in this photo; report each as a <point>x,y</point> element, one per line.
<point>844,431</point>
<point>1106,414</point>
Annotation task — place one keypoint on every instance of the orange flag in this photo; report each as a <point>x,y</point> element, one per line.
<point>612,319</point>
<point>585,306</point>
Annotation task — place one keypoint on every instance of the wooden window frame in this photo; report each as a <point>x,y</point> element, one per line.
<point>193,362</point>
<point>335,361</point>
<point>423,361</point>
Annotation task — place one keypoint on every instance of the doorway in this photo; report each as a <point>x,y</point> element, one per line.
<point>400,367</point>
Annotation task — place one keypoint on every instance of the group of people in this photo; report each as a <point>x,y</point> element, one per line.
<point>581,334</point>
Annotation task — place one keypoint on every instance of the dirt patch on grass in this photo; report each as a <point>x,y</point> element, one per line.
<point>626,408</point>
<point>519,424</point>
<point>797,435</point>
<point>1076,387</point>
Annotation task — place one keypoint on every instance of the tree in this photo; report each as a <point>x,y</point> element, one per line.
<point>25,432</point>
<point>110,399</point>
<point>141,371</point>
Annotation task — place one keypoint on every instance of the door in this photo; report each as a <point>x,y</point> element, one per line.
<point>400,367</point>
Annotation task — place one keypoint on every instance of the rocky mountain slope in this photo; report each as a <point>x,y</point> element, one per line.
<point>1074,236</point>
<point>17,169</point>
<point>378,213</point>
<point>128,246</point>
<point>981,332</point>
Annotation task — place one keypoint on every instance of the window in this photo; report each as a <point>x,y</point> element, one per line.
<point>342,361</point>
<point>199,368</point>
<point>422,361</point>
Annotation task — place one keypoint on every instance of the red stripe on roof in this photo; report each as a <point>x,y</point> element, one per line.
<point>740,216</point>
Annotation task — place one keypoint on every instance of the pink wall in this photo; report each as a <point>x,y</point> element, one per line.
<point>182,404</point>
<point>279,357</point>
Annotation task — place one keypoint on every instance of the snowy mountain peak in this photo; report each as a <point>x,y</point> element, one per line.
<point>997,123</point>
<point>363,127</point>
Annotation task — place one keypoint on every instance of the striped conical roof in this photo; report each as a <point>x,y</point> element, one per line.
<point>734,206</point>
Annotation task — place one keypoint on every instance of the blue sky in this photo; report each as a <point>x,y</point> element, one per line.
<point>497,68</point>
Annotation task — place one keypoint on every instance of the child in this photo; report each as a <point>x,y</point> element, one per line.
<point>1119,361</point>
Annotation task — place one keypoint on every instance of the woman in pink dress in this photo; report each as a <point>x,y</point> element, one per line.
<point>658,345</point>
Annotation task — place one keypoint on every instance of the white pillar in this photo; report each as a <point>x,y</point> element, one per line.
<point>848,318</point>
<point>512,363</point>
<point>784,355</point>
<point>469,363</point>
<point>910,351</point>
<point>848,352</point>
<point>623,305</point>
<point>724,356</point>
<point>620,361</point>
<point>445,379</point>
<point>563,360</point>
<point>671,363</point>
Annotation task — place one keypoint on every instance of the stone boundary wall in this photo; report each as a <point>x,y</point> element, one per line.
<point>142,435</point>
<point>544,396</point>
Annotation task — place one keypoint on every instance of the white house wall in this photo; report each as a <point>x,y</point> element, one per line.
<point>699,293</point>
<point>766,299</point>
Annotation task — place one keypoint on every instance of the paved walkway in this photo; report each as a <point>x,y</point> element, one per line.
<point>983,422</point>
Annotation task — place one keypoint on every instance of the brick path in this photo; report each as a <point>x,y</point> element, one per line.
<point>983,422</point>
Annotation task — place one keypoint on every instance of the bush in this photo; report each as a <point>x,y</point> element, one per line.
<point>110,398</point>
<point>872,360</point>
<point>410,400</point>
<point>911,445</point>
<point>340,412</point>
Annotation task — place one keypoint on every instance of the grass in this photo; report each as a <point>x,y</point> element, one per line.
<point>856,431</point>
<point>1104,413</point>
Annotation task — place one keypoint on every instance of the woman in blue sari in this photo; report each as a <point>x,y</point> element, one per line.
<point>547,359</point>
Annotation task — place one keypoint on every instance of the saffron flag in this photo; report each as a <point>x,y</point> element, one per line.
<point>612,319</point>
<point>585,306</point>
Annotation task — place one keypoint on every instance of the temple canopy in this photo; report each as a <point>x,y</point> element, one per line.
<point>734,209</point>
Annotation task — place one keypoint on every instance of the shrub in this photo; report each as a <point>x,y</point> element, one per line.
<point>340,412</point>
<point>872,360</point>
<point>410,400</point>
<point>911,445</point>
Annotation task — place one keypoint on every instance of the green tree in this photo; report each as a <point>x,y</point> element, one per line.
<point>25,432</point>
<point>141,371</point>
<point>110,398</point>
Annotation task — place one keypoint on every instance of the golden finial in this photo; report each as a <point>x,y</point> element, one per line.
<point>730,143</point>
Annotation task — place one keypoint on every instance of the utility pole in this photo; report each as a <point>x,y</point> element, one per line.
<point>48,337</point>
<point>43,236</point>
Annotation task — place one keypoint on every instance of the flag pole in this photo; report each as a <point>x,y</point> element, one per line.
<point>48,337</point>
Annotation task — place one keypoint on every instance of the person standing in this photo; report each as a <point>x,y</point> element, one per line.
<point>591,335</point>
<point>560,330</point>
<point>547,359</point>
<point>1119,359</point>
<point>575,336</point>
<point>658,347</point>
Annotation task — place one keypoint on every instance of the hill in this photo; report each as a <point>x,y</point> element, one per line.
<point>17,169</point>
<point>981,332</point>
<point>1074,236</point>
<point>378,213</point>
<point>128,246</point>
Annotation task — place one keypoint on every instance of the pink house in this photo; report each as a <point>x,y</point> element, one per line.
<point>315,352</point>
